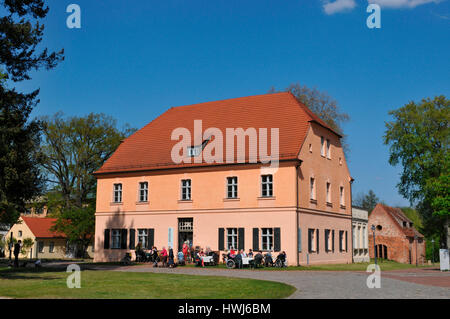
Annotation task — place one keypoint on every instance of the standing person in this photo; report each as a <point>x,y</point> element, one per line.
<point>16,253</point>
<point>185,250</point>
<point>164,256</point>
<point>171,258</point>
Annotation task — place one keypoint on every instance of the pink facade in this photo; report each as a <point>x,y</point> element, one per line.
<point>283,220</point>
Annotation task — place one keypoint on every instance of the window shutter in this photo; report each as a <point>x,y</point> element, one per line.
<point>299,240</point>
<point>317,240</point>
<point>310,240</point>
<point>151,238</point>
<point>346,232</point>
<point>241,238</point>
<point>221,238</point>
<point>277,239</point>
<point>106,239</point>
<point>340,240</point>
<point>332,240</point>
<point>132,238</point>
<point>123,238</point>
<point>255,239</point>
<point>326,239</point>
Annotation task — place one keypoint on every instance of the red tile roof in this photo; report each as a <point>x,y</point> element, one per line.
<point>399,216</point>
<point>40,227</point>
<point>150,147</point>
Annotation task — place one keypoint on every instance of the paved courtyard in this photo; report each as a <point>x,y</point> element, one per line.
<point>404,284</point>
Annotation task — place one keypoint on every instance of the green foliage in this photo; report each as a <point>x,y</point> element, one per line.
<point>27,243</point>
<point>414,216</point>
<point>419,141</point>
<point>323,106</point>
<point>78,223</point>
<point>366,201</point>
<point>20,36</point>
<point>75,147</point>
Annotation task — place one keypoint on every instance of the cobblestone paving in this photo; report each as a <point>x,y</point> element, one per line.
<point>322,284</point>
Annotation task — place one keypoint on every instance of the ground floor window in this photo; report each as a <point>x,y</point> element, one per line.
<point>328,240</point>
<point>232,238</point>
<point>313,237</point>
<point>51,247</point>
<point>143,237</point>
<point>267,238</point>
<point>115,238</point>
<point>41,246</point>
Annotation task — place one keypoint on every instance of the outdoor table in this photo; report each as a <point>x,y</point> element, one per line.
<point>246,260</point>
<point>207,259</point>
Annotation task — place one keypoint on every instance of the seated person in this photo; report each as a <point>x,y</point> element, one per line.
<point>181,260</point>
<point>250,253</point>
<point>238,260</point>
<point>268,261</point>
<point>258,259</point>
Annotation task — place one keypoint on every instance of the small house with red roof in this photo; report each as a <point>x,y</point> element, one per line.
<point>47,244</point>
<point>396,238</point>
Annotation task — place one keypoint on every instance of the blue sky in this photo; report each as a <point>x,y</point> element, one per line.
<point>135,59</point>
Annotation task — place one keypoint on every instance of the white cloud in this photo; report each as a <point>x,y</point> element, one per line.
<point>338,6</point>
<point>402,3</point>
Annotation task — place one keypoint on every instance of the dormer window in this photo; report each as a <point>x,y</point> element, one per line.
<point>194,151</point>
<point>411,225</point>
<point>404,224</point>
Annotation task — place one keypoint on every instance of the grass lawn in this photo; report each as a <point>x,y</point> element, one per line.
<point>45,283</point>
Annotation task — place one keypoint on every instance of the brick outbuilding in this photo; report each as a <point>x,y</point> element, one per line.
<point>395,236</point>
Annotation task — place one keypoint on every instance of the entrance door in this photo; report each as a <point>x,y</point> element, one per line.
<point>185,232</point>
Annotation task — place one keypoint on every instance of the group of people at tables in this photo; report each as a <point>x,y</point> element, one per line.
<point>167,257</point>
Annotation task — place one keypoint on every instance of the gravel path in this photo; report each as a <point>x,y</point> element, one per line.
<point>319,284</point>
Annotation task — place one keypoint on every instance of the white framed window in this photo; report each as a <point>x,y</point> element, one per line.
<point>328,192</point>
<point>267,238</point>
<point>117,196</point>
<point>185,189</point>
<point>143,237</point>
<point>328,149</point>
<point>41,246</point>
<point>19,234</point>
<point>51,247</point>
<point>232,187</point>
<point>266,185</point>
<point>232,238</point>
<point>355,245</point>
<point>322,146</point>
<point>115,238</point>
<point>312,188</point>
<point>312,240</point>
<point>328,240</point>
<point>341,195</point>
<point>143,191</point>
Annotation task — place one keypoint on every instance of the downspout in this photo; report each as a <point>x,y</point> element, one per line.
<point>296,210</point>
<point>351,219</point>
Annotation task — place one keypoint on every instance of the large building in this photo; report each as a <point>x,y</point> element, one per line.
<point>395,236</point>
<point>360,219</point>
<point>302,205</point>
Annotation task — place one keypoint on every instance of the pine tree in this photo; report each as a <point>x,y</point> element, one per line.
<point>20,34</point>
